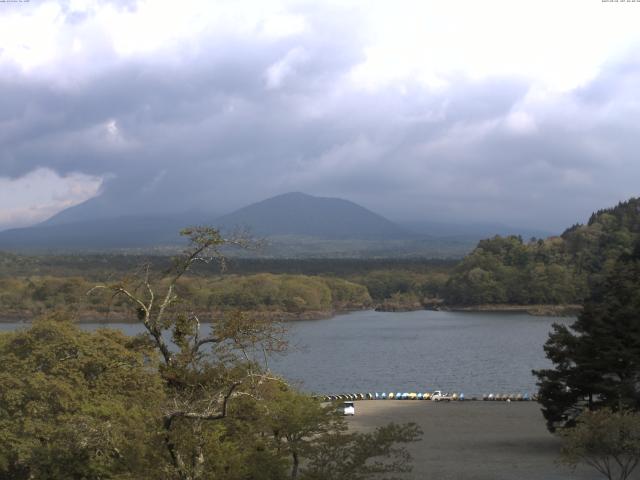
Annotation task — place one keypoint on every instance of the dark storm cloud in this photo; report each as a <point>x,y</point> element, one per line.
<point>236,120</point>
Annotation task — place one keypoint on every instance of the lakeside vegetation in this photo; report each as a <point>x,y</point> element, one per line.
<point>30,286</point>
<point>25,298</point>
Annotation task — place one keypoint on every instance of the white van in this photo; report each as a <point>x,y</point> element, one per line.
<point>347,408</point>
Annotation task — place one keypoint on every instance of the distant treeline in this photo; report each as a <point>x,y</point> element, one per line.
<point>27,297</point>
<point>102,265</point>
<point>30,286</point>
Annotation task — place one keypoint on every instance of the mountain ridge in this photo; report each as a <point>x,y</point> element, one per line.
<point>292,213</point>
<point>295,223</point>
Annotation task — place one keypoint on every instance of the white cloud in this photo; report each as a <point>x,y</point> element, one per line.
<point>82,37</point>
<point>559,44</point>
<point>521,123</point>
<point>280,70</point>
<point>30,38</point>
<point>40,194</point>
<point>282,24</point>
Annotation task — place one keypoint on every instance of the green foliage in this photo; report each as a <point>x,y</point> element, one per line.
<point>558,270</point>
<point>75,404</point>
<point>296,421</point>
<point>32,296</point>
<point>506,270</point>
<point>293,293</point>
<point>597,360</point>
<point>607,441</point>
<point>383,284</point>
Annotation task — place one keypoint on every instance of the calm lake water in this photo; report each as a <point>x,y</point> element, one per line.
<point>369,351</point>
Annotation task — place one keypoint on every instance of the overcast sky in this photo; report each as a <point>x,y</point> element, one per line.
<point>522,112</point>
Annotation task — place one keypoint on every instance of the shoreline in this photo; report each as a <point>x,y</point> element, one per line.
<point>119,317</point>
<point>536,310</point>
<point>533,310</point>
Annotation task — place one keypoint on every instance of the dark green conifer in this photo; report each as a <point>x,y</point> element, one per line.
<point>597,359</point>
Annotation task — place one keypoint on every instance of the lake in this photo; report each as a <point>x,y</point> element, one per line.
<point>369,351</point>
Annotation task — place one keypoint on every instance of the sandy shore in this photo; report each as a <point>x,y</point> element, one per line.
<point>474,440</point>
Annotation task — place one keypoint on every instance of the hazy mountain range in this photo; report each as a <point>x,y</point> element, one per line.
<point>295,224</point>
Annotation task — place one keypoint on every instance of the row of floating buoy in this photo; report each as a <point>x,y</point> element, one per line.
<point>387,396</point>
<point>512,397</point>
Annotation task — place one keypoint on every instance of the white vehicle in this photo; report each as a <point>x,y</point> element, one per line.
<point>439,396</point>
<point>347,408</point>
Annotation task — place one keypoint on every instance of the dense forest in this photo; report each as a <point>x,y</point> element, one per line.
<point>558,270</point>
<point>296,288</point>
<point>282,294</point>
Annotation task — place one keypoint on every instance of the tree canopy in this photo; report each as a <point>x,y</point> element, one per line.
<point>597,359</point>
<point>75,404</point>
<point>605,440</point>
<point>556,270</point>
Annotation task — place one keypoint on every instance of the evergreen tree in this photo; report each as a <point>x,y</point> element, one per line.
<point>597,359</point>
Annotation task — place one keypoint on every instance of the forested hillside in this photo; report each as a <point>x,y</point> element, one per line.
<point>558,270</point>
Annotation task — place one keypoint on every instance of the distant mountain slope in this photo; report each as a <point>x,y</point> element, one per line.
<point>292,214</point>
<point>477,230</point>
<point>295,224</point>
<point>135,202</point>
<point>99,234</point>
<point>305,215</point>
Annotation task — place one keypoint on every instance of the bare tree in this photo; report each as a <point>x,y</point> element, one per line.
<point>203,372</point>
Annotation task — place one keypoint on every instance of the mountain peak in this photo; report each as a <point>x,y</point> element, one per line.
<point>297,213</point>
<point>293,195</point>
